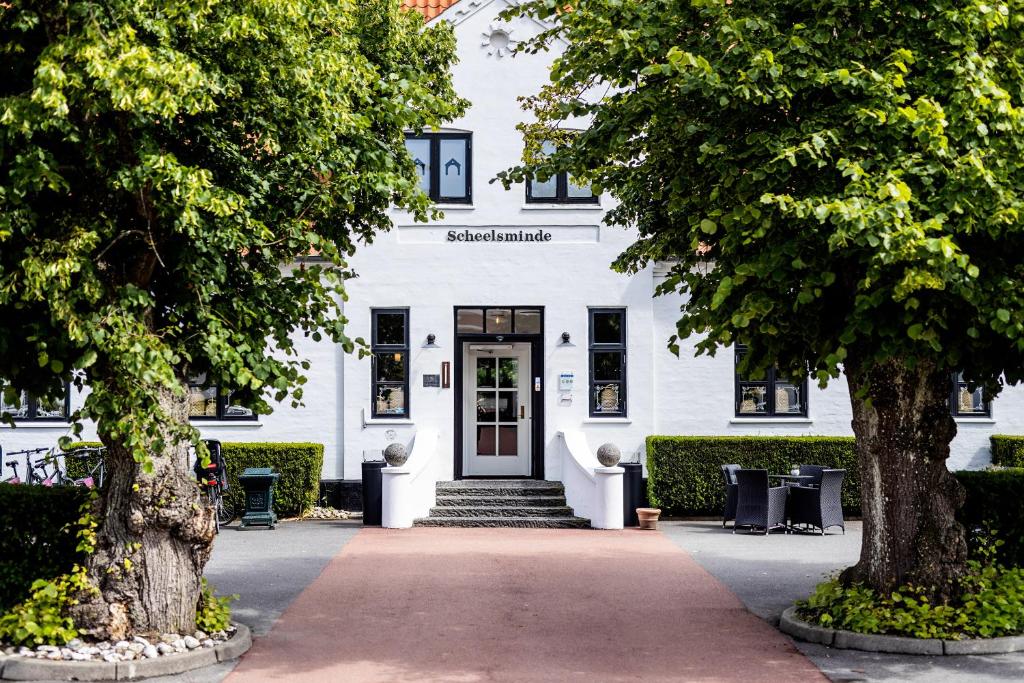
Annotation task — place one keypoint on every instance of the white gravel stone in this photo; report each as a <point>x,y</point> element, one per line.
<point>80,657</point>
<point>150,652</point>
<point>200,635</point>
<point>209,642</point>
<point>54,655</point>
<point>190,642</point>
<point>179,645</point>
<point>169,638</point>
<point>110,657</point>
<point>121,645</point>
<point>165,649</point>
<point>140,640</point>
<point>65,653</point>
<point>75,644</point>
<point>137,648</point>
<point>128,656</point>
<point>104,646</point>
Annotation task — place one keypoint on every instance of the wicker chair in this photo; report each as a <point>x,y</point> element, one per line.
<point>729,479</point>
<point>820,507</point>
<point>811,471</point>
<point>759,506</point>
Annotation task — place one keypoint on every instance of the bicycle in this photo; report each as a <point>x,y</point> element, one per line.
<point>213,481</point>
<point>97,473</point>
<point>30,470</point>
<point>15,479</point>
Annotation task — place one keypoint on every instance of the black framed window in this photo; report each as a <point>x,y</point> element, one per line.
<point>444,162</point>
<point>558,189</point>
<point>28,408</point>
<point>967,402</point>
<point>389,344</point>
<point>769,394</point>
<point>498,320</point>
<point>607,386</point>
<point>211,402</point>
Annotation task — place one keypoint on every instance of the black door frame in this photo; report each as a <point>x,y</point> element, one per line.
<point>536,342</point>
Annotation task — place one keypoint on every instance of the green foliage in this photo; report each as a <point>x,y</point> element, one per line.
<point>37,537</point>
<point>299,465</point>
<point>831,181</point>
<point>995,499</point>
<point>43,618</point>
<point>992,605</point>
<point>161,160</point>
<point>685,477</point>
<point>1007,451</point>
<point>213,613</point>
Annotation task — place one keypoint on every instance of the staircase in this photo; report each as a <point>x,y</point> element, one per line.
<point>502,503</point>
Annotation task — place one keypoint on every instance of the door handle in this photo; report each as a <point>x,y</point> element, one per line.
<point>522,412</point>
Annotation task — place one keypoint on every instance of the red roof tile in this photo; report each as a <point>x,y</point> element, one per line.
<point>428,8</point>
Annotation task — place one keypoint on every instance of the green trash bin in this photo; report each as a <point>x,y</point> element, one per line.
<point>258,483</point>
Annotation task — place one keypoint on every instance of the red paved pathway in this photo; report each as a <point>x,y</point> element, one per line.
<point>473,605</point>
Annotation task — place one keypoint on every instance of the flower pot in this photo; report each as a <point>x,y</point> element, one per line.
<point>648,517</point>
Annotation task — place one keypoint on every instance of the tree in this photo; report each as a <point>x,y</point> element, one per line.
<point>161,164</point>
<point>838,185</point>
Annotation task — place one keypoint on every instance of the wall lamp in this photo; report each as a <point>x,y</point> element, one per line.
<point>431,342</point>
<point>565,339</point>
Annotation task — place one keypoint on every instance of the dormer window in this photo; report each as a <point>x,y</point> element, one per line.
<point>444,164</point>
<point>558,189</point>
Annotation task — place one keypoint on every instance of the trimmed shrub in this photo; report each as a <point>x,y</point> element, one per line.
<point>685,477</point>
<point>995,499</point>
<point>38,537</point>
<point>1007,451</point>
<point>299,465</point>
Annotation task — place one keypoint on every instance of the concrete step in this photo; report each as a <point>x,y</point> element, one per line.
<point>505,511</point>
<point>508,522</point>
<point>458,500</point>
<point>500,487</point>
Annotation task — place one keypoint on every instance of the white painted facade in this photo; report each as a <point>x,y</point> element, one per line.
<point>414,266</point>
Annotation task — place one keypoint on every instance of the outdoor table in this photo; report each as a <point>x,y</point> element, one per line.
<point>790,478</point>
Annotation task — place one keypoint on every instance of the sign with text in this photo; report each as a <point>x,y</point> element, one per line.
<point>499,235</point>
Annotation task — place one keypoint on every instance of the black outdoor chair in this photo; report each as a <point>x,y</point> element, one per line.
<point>811,471</point>
<point>729,479</point>
<point>759,506</point>
<point>820,507</point>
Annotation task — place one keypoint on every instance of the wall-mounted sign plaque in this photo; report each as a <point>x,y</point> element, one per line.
<point>431,380</point>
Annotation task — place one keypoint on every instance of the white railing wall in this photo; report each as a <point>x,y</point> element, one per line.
<point>408,492</point>
<point>592,490</point>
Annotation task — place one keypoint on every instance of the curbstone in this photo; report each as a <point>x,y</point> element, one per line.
<point>166,665</point>
<point>798,628</point>
<point>30,669</point>
<point>984,646</point>
<point>848,640</point>
<point>235,646</point>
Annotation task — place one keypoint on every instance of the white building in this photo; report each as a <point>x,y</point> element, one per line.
<point>502,325</point>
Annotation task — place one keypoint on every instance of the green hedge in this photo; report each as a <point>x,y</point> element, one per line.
<point>1007,451</point>
<point>299,465</point>
<point>996,498</point>
<point>37,536</point>
<point>685,477</point>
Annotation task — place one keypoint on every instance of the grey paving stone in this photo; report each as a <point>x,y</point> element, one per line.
<point>236,646</point>
<point>165,666</point>
<point>987,646</point>
<point>798,628</point>
<point>29,669</point>
<point>847,640</point>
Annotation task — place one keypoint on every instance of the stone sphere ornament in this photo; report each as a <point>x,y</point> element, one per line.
<point>395,455</point>
<point>609,455</point>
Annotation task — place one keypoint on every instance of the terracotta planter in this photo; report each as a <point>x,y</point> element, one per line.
<point>648,517</point>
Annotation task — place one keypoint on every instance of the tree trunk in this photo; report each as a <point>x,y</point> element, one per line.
<point>154,537</point>
<point>903,427</point>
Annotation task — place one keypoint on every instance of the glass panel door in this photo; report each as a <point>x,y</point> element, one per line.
<point>498,424</point>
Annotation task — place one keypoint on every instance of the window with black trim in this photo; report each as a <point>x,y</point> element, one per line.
<point>768,394</point>
<point>558,189</point>
<point>210,402</point>
<point>389,344</point>
<point>28,408</point>
<point>967,402</point>
<point>444,162</point>
<point>607,387</point>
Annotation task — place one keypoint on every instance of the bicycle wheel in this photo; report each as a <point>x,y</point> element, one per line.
<point>225,511</point>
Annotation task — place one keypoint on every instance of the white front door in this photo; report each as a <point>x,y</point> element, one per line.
<point>497,416</point>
